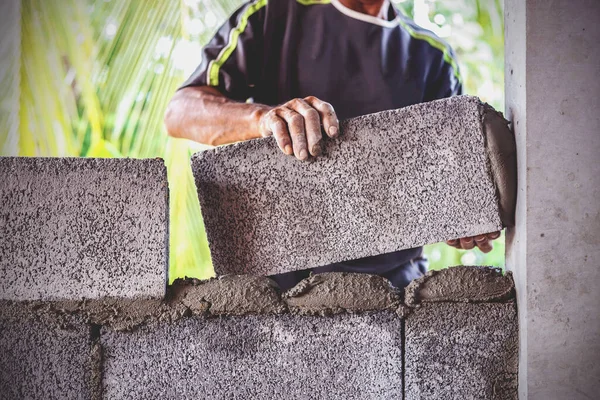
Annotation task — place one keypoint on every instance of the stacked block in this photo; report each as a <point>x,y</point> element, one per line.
<point>393,180</point>
<point>85,312</point>
<point>258,357</point>
<point>461,340</point>
<point>45,358</point>
<point>74,228</point>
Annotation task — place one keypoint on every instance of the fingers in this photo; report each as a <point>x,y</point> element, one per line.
<point>467,243</point>
<point>277,127</point>
<point>312,124</point>
<point>483,243</point>
<point>327,114</point>
<point>493,235</point>
<point>295,125</point>
<point>454,243</point>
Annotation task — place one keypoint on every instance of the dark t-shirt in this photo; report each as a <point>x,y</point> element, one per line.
<point>276,50</point>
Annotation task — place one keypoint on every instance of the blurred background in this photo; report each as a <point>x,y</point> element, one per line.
<point>92,78</point>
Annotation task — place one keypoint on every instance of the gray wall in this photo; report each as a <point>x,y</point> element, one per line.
<point>552,96</point>
<point>335,336</point>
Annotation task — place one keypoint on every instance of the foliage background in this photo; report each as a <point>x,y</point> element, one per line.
<point>91,78</point>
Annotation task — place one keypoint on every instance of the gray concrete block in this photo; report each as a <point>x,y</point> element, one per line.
<point>257,357</point>
<point>461,351</point>
<point>393,180</point>
<point>41,360</point>
<point>73,228</point>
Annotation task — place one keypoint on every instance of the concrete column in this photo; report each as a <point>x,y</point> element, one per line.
<point>552,97</point>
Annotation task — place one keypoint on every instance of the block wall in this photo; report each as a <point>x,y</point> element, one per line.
<point>335,336</point>
<point>86,313</point>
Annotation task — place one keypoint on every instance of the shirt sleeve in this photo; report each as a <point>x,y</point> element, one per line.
<point>447,82</point>
<point>231,60</point>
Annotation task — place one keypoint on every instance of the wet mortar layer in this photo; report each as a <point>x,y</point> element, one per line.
<point>461,284</point>
<point>333,293</point>
<point>320,294</point>
<point>501,149</point>
<point>229,295</point>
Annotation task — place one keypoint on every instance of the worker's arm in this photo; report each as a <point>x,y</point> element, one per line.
<point>210,107</point>
<point>205,115</point>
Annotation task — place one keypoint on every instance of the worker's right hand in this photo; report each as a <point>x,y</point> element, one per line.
<point>296,126</point>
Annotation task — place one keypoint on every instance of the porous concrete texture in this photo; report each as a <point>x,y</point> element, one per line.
<point>75,228</point>
<point>336,292</point>
<point>393,180</point>
<point>461,283</point>
<point>43,358</point>
<point>257,357</point>
<point>552,86</point>
<point>461,351</point>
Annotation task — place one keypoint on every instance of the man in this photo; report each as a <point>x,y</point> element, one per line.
<point>304,64</point>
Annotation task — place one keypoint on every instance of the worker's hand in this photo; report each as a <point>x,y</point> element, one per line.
<point>484,242</point>
<point>296,126</point>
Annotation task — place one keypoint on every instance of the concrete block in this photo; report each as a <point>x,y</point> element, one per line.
<point>461,351</point>
<point>257,357</point>
<point>41,360</point>
<point>393,180</point>
<point>73,228</point>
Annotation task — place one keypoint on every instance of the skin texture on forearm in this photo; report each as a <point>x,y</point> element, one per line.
<point>204,115</point>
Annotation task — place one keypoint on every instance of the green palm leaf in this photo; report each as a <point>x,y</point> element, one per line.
<point>94,80</point>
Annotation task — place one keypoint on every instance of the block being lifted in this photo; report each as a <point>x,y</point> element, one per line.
<point>74,228</point>
<point>392,180</point>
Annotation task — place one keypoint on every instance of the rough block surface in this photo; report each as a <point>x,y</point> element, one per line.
<point>41,360</point>
<point>393,180</point>
<point>74,228</point>
<point>461,351</point>
<point>257,357</point>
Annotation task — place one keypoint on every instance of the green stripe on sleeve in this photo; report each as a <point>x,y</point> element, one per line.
<point>436,44</point>
<point>312,2</point>
<point>216,64</point>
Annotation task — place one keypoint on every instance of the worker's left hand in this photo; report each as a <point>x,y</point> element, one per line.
<point>484,242</point>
